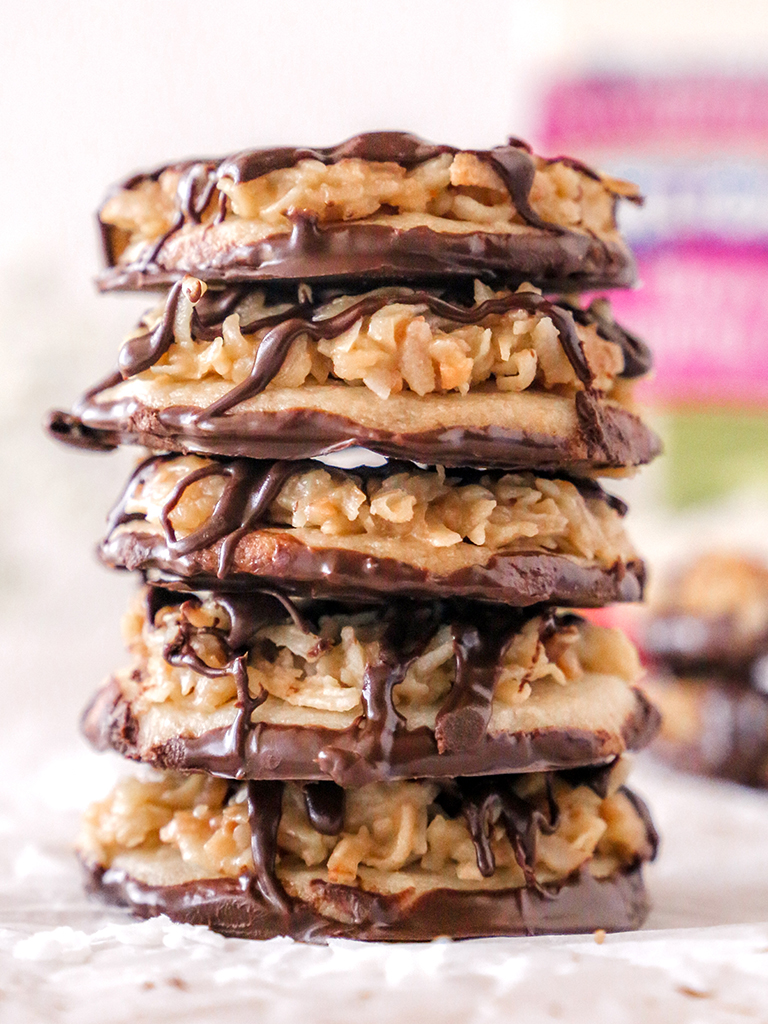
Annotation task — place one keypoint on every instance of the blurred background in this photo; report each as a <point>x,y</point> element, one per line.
<point>672,94</point>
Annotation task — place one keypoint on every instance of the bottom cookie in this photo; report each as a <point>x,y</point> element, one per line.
<point>405,861</point>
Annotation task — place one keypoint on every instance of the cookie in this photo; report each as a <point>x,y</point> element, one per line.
<point>712,616</point>
<point>707,644</point>
<point>712,725</point>
<point>398,861</point>
<point>261,687</point>
<point>312,530</point>
<point>384,205</point>
<point>487,378</point>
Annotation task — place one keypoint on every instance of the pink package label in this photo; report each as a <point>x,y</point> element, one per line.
<point>639,113</point>
<point>703,308</point>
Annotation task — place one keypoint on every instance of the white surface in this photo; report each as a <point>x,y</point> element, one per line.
<point>703,956</point>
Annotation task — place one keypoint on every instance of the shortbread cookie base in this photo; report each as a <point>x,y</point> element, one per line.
<point>546,740</point>
<point>582,904</point>
<point>541,431</point>
<point>273,558</point>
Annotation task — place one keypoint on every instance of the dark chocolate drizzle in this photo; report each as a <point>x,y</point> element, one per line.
<point>265,808</point>
<point>479,642</point>
<point>324,803</point>
<point>638,358</point>
<point>139,353</point>
<point>247,616</point>
<point>486,800</point>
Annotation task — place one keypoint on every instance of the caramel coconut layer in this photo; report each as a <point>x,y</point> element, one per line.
<point>317,531</point>
<point>385,205</point>
<point>257,687</point>
<point>484,378</point>
<point>405,860</point>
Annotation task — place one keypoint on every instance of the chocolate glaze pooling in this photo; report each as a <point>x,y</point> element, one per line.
<point>556,256</point>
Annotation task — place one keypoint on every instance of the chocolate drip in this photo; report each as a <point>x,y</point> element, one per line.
<point>638,358</point>
<point>215,306</point>
<point>247,614</point>
<point>595,777</point>
<point>479,647</point>
<point>180,651</point>
<point>484,801</point>
<point>251,486</point>
<point>139,353</point>
<point>652,835</point>
<point>407,634</point>
<point>324,802</point>
<point>265,808</point>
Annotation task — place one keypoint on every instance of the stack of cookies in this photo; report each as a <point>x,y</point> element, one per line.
<point>368,707</point>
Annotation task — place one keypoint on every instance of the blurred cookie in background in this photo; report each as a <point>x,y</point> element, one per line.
<point>707,647</point>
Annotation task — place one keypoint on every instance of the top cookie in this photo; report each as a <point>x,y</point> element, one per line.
<point>383,205</point>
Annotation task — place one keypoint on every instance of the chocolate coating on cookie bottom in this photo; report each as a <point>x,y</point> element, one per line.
<point>620,440</point>
<point>582,904</point>
<point>345,755</point>
<point>522,579</point>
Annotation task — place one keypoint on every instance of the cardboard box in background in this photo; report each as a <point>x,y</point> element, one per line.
<point>698,148</point>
